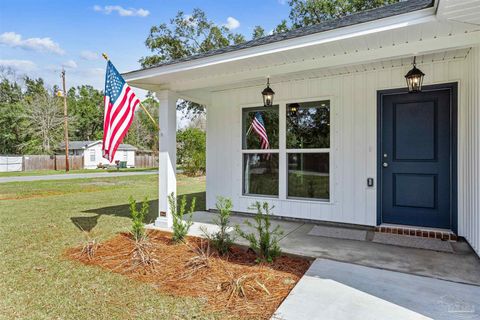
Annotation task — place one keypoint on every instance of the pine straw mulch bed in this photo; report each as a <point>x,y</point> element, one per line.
<point>235,285</point>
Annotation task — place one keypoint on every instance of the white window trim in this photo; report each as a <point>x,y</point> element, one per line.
<point>94,154</point>
<point>282,151</point>
<point>260,151</point>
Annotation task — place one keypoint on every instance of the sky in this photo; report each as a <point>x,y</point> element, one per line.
<point>39,37</point>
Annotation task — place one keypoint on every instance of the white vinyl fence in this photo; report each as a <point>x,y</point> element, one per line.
<point>11,163</point>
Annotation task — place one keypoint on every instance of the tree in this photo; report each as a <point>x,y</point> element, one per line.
<point>199,122</point>
<point>309,12</point>
<point>258,32</point>
<point>184,36</point>
<point>282,27</point>
<point>45,116</point>
<point>34,88</point>
<point>191,145</point>
<point>12,117</point>
<point>85,106</point>
<point>143,133</point>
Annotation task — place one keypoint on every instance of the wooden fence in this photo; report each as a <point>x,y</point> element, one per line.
<point>54,162</point>
<point>146,161</point>
<point>57,162</point>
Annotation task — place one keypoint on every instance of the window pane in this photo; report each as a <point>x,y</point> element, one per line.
<point>308,125</point>
<point>260,174</point>
<point>308,175</point>
<point>251,137</point>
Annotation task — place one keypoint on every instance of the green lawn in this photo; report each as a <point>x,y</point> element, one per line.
<point>50,172</point>
<point>38,222</point>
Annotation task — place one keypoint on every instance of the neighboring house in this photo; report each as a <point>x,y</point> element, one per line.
<point>92,153</point>
<point>348,143</point>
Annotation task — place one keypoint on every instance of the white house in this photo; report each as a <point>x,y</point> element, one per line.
<point>92,153</point>
<point>348,143</point>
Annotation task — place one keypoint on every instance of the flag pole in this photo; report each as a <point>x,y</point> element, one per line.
<point>141,105</point>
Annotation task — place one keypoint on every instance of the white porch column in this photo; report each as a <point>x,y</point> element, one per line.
<point>167,157</point>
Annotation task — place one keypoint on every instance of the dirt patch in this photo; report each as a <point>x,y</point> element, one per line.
<point>44,194</point>
<point>234,285</point>
<point>30,196</point>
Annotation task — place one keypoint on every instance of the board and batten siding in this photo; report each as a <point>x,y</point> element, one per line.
<point>469,164</point>
<point>353,141</point>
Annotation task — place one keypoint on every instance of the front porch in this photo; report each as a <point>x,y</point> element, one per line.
<point>421,171</point>
<point>359,279</point>
<point>461,264</point>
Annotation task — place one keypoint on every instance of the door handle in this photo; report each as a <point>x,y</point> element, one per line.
<point>385,165</point>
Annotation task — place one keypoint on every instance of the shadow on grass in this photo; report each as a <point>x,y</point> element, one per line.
<point>85,223</point>
<point>124,211</point>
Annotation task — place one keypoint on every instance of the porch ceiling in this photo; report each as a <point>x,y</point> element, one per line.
<point>349,69</point>
<point>391,42</point>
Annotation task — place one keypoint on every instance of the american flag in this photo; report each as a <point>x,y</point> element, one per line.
<point>120,104</point>
<point>258,125</point>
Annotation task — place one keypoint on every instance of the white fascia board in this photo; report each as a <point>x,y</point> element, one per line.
<point>358,30</point>
<point>93,144</point>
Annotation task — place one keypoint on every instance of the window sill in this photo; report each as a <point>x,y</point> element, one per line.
<point>259,196</point>
<point>312,201</point>
<point>299,200</point>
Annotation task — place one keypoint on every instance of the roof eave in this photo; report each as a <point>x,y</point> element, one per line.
<point>357,30</point>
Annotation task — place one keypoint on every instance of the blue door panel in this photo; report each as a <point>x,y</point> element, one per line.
<point>414,190</point>
<point>414,131</point>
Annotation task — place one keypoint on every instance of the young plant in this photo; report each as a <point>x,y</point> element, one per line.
<point>138,217</point>
<point>221,240</point>
<point>89,246</point>
<point>180,225</point>
<point>142,253</point>
<point>265,240</point>
<point>200,260</point>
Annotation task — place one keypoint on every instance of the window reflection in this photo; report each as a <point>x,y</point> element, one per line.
<point>260,173</point>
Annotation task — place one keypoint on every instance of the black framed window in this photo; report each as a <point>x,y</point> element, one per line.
<point>260,174</point>
<point>308,175</point>
<point>260,139</point>
<point>308,125</point>
<point>306,147</point>
<point>308,150</point>
<point>251,139</point>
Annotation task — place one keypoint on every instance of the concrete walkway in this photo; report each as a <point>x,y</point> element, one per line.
<point>343,291</point>
<point>66,176</point>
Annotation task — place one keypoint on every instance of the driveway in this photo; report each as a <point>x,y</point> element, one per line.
<point>66,176</point>
<point>343,291</point>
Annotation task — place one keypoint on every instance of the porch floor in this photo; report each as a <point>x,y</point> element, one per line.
<point>460,265</point>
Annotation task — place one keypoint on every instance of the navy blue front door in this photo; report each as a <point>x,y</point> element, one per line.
<point>415,159</point>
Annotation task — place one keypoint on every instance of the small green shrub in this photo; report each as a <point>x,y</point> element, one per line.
<point>191,151</point>
<point>222,240</point>
<point>265,240</point>
<point>138,217</point>
<point>181,226</point>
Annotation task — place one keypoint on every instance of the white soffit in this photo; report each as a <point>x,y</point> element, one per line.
<point>406,62</point>
<point>466,11</point>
